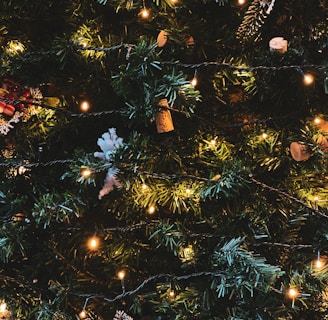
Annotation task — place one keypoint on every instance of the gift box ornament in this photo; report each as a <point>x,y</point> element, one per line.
<point>163,117</point>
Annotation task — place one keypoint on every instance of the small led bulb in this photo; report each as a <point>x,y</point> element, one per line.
<point>21,170</point>
<point>194,82</point>
<point>121,274</point>
<point>308,79</point>
<point>213,142</point>
<point>318,264</point>
<point>292,293</point>
<point>84,106</point>
<point>144,186</point>
<point>3,306</point>
<point>264,135</point>
<point>86,173</point>
<point>93,243</point>
<point>241,2</point>
<point>151,209</point>
<point>144,13</point>
<point>83,314</point>
<point>172,293</point>
<point>317,120</point>
<point>188,191</point>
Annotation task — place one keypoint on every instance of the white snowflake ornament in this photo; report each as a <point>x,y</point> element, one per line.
<point>121,315</point>
<point>109,143</point>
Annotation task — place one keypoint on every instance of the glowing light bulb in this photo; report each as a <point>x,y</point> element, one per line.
<point>308,79</point>
<point>93,243</point>
<point>264,135</point>
<point>144,186</point>
<point>86,173</point>
<point>3,306</point>
<point>84,106</point>
<point>241,2</point>
<point>144,13</point>
<point>174,1</point>
<point>317,120</point>
<point>292,293</point>
<point>172,293</point>
<point>151,209</point>
<point>121,275</point>
<point>213,142</point>
<point>318,264</point>
<point>83,314</point>
<point>21,170</point>
<point>194,82</point>
<point>188,191</point>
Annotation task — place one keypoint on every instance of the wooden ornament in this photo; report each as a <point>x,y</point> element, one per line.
<point>299,151</point>
<point>163,117</point>
<point>278,44</point>
<point>162,39</point>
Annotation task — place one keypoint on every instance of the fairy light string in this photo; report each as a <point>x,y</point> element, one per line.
<point>196,66</point>
<point>171,177</point>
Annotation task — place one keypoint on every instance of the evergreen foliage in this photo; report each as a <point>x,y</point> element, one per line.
<point>216,215</point>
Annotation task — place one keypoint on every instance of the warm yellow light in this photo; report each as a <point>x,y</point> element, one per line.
<point>194,82</point>
<point>174,1</point>
<point>93,243</point>
<point>3,307</point>
<point>82,314</point>
<point>86,173</point>
<point>144,186</point>
<point>213,142</point>
<point>308,79</point>
<point>316,199</point>
<point>21,170</point>
<point>84,106</point>
<point>292,293</point>
<point>151,209</point>
<point>318,264</point>
<point>121,275</point>
<point>172,293</point>
<point>317,120</point>
<point>15,47</point>
<point>144,13</point>
<point>188,190</point>
<point>264,135</point>
<point>241,2</point>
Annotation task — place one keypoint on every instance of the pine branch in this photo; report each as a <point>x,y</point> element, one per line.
<point>253,20</point>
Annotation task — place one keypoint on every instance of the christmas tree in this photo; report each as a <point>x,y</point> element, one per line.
<point>164,159</point>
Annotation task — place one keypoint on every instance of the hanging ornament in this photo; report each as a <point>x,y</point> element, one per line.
<point>15,100</point>
<point>278,44</point>
<point>162,39</point>
<point>109,143</point>
<point>299,152</point>
<point>163,117</point>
